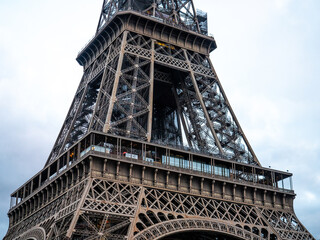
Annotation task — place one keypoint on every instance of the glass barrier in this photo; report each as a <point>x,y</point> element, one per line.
<point>153,154</point>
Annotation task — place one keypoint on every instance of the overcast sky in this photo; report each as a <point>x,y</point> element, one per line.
<point>267,60</point>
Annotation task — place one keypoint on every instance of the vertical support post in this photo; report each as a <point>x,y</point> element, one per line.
<point>48,173</point>
<point>67,180</point>
<point>118,149</point>
<point>201,186</point>
<point>155,176</point>
<point>58,166</point>
<point>116,83</point>
<point>52,192</point>
<point>273,179</point>
<point>72,176</point>
<point>57,188</point>
<point>213,166</point>
<point>68,158</point>
<point>83,170</point>
<point>130,172</point>
<point>90,166</point>
<point>17,197</point>
<point>233,171</point>
<point>149,130</point>
<point>118,170</point>
<point>167,179</point>
<point>78,150</point>
<point>274,199</point>
<point>166,156</point>
<point>212,188</point>
<point>223,189</point>
<point>284,201</point>
<point>142,174</point>
<point>254,195</point>
<point>104,167</point>
<point>24,192</point>
<point>143,151</point>
<point>31,186</point>
<point>43,195</point>
<point>40,179</point>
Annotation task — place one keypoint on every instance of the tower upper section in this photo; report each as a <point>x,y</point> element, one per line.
<point>178,12</point>
<point>148,76</point>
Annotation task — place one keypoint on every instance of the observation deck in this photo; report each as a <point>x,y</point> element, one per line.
<point>149,25</point>
<point>180,161</point>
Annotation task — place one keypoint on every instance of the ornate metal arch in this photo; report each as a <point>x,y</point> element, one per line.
<point>37,233</point>
<point>166,228</point>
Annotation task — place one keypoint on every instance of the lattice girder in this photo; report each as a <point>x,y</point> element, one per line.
<point>117,95</point>
<point>56,211</point>
<point>178,12</point>
<point>145,149</point>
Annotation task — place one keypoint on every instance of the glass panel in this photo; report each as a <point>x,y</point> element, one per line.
<point>222,171</point>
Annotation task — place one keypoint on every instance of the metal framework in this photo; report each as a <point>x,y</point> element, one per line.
<point>179,12</point>
<point>151,148</point>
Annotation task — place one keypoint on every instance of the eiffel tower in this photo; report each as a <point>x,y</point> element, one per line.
<point>151,148</point>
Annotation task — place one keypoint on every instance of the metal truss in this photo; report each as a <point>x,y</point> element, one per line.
<point>55,211</point>
<point>112,198</point>
<point>162,229</point>
<point>115,210</point>
<point>286,224</point>
<point>180,13</point>
<point>148,76</point>
<point>81,116</point>
<point>129,108</point>
<point>118,94</point>
<point>34,233</point>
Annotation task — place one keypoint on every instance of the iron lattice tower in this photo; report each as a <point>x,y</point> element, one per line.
<point>151,148</point>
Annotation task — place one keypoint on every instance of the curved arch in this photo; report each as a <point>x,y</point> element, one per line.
<point>36,233</point>
<point>163,229</point>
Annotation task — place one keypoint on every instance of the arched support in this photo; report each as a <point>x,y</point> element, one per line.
<point>36,233</point>
<point>174,226</point>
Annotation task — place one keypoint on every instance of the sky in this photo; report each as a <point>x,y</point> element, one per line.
<point>267,61</point>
